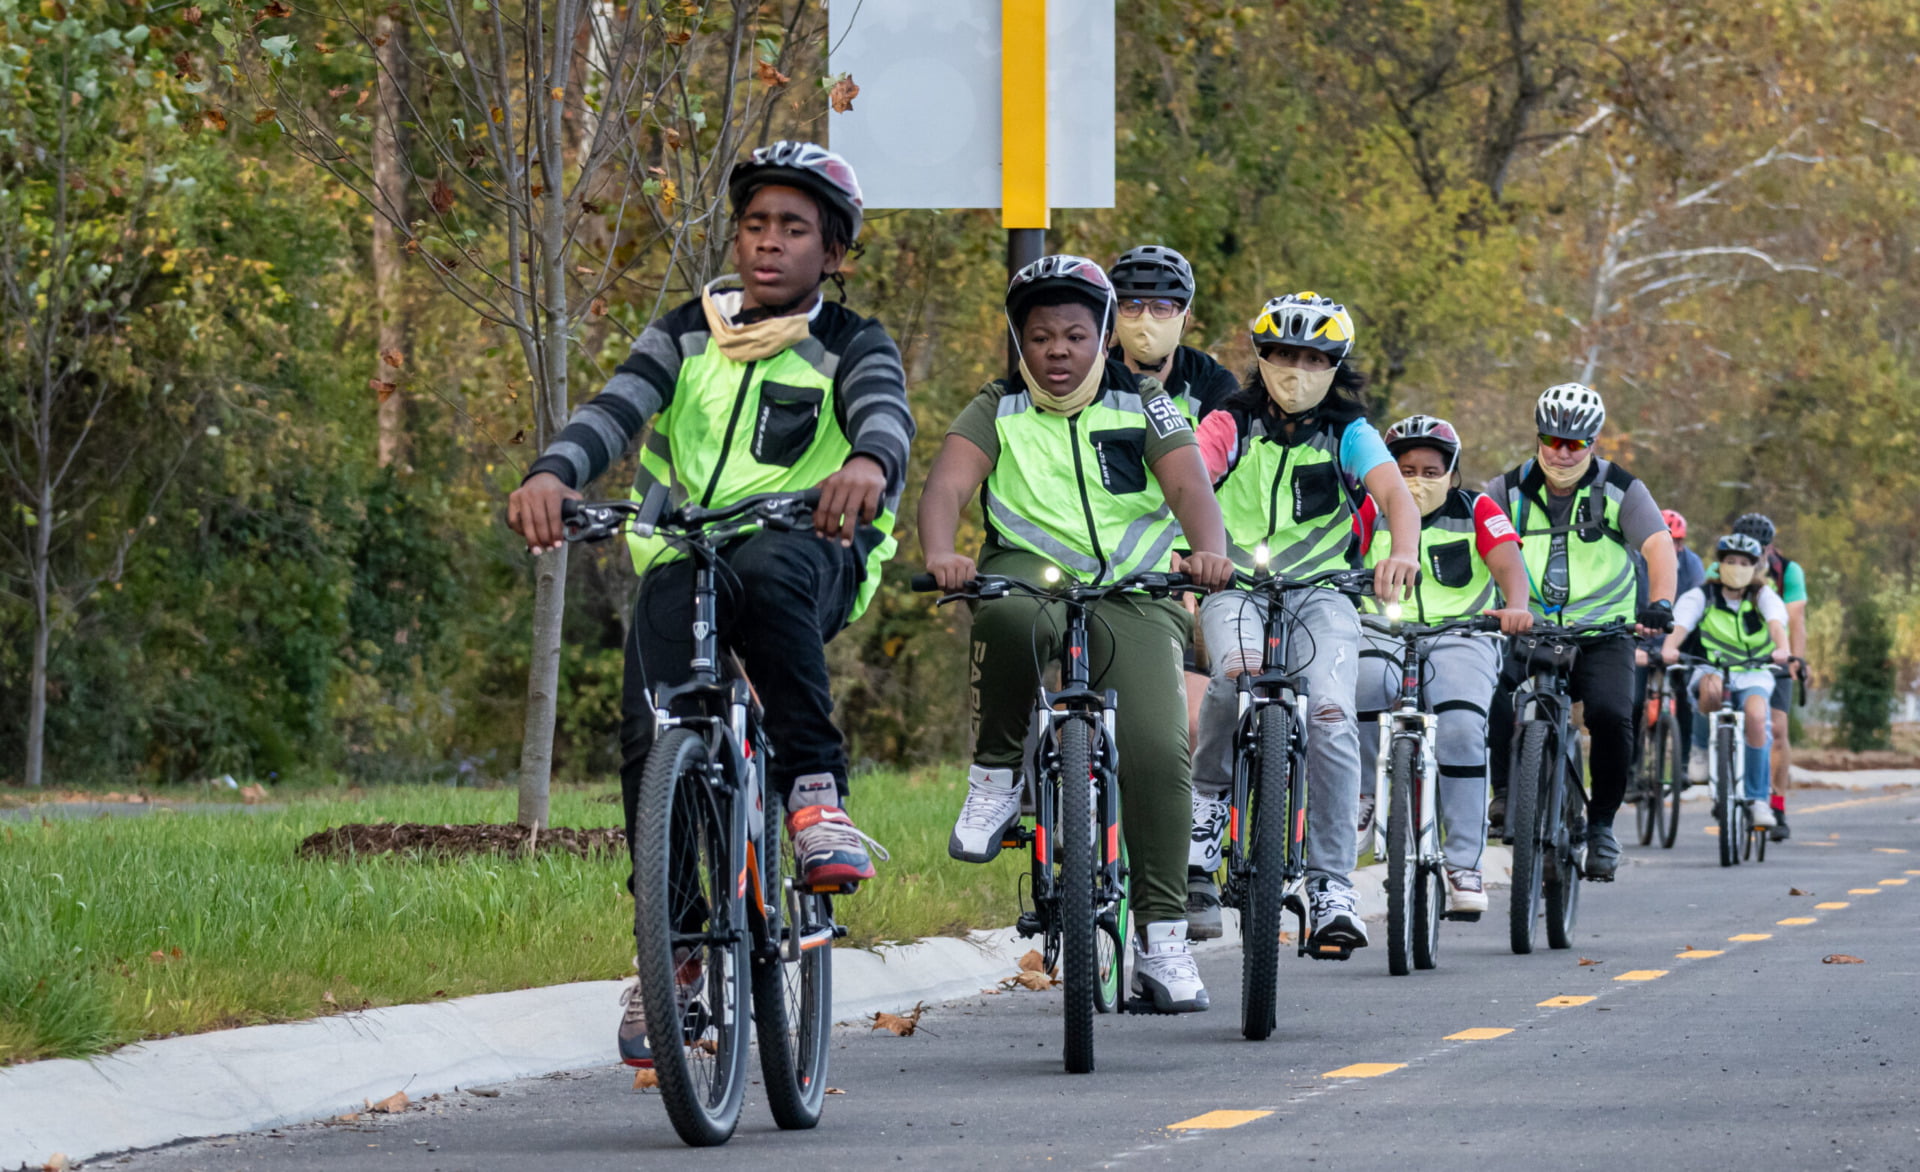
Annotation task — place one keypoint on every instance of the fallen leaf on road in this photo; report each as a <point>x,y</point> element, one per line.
<point>902,1025</point>
<point>835,1091</point>
<point>1033,962</point>
<point>1797,891</point>
<point>991,992</point>
<point>391,1105</point>
<point>486,1093</point>
<point>1038,982</point>
<point>1286,937</point>
<point>349,1117</point>
<point>1841,958</point>
<point>642,1079</point>
<point>55,1163</point>
<point>1584,962</point>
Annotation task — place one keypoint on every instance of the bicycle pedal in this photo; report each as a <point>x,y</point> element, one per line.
<point>834,888</point>
<point>1330,951</point>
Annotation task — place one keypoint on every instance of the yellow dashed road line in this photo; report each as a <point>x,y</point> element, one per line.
<point>1564,1000</point>
<point>1863,891</point>
<point>1642,975</point>
<point>1479,1034</point>
<point>1829,906</point>
<point>1796,920</point>
<point>1217,1120</point>
<point>1893,883</point>
<point>1890,850</point>
<point>1701,953</point>
<point>1746,937</point>
<point>1365,1070</point>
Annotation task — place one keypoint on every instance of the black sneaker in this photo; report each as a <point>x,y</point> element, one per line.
<point>1497,815</point>
<point>1203,908</point>
<point>1780,831</point>
<point>1603,854</point>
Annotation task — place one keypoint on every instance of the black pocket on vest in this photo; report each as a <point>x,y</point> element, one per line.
<point>788,418</point>
<point>1123,459</point>
<point>1316,491</point>
<point>1451,563</point>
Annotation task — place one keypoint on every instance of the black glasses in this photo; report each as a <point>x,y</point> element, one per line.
<point>1160,307</point>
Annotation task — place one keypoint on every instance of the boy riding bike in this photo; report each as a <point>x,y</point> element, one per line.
<point>1155,287</point>
<point>1092,472</point>
<point>758,385</point>
<point>1739,619</point>
<point>1579,519</point>
<point>1467,548</point>
<point>1289,455</point>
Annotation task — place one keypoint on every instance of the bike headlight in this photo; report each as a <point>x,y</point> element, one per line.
<point>1261,555</point>
<point>1051,575</point>
<point>1392,611</point>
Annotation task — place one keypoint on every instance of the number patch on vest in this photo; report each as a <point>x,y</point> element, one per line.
<point>1164,414</point>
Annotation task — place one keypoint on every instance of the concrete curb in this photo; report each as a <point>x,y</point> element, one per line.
<point>264,1076</point>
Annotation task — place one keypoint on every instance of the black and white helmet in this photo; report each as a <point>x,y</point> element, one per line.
<point>806,165</point>
<point>1758,526</point>
<point>1739,543</point>
<point>1308,320</point>
<point>1570,411</point>
<point>1152,270</point>
<point>1077,275</point>
<point>1425,431</point>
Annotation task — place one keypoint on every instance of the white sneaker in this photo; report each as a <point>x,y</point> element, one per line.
<point>1335,927</point>
<point>1762,813</point>
<point>1696,765</point>
<point>1209,833</point>
<point>1466,890</point>
<point>992,805</point>
<point>1163,969</point>
<point>1368,803</point>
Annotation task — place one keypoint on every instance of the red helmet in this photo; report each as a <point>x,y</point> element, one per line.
<point>1676,524</point>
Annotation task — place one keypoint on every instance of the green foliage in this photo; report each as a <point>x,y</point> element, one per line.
<point>1865,688</point>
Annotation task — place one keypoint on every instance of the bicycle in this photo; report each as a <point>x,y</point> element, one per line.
<point>1266,848</point>
<point>1546,815</point>
<point>1660,776</point>
<point>1407,786</point>
<point>1078,877</point>
<point>1726,764</point>
<point>714,889</point>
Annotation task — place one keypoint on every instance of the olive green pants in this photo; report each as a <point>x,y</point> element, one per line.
<point>1136,644</point>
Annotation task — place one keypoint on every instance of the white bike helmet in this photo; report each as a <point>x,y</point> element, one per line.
<point>1740,543</point>
<point>1308,320</point>
<point>1570,411</point>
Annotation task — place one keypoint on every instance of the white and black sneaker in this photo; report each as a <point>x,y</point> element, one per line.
<point>1334,925</point>
<point>1466,890</point>
<point>992,806</point>
<point>1203,907</point>
<point>1209,833</point>
<point>1164,970</point>
<point>1762,813</point>
<point>1368,803</point>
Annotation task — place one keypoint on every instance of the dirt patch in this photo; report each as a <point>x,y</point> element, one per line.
<point>448,841</point>
<point>1841,759</point>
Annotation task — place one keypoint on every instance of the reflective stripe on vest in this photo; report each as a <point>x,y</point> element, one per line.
<point>1727,632</point>
<point>1601,583</point>
<point>1447,537</point>
<point>1077,490</point>
<point>1291,498</point>
<point>736,429</point>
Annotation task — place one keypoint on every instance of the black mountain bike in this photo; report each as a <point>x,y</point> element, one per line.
<point>1547,802</point>
<point>1266,849</point>
<point>1081,910</point>
<point>1660,774</point>
<point>716,906</point>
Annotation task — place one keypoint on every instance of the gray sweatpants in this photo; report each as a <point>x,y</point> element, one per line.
<point>1461,673</point>
<point>1326,654</point>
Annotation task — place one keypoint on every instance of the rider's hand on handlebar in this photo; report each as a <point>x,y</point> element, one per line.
<point>533,511</point>
<point>1514,620</point>
<point>1640,657</point>
<point>1211,570</point>
<point>1669,655</point>
<point>849,499</point>
<point>1655,618</point>
<point>1393,578</point>
<point>951,570</point>
<point>1780,657</point>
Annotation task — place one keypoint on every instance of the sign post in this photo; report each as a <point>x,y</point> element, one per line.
<point>1025,211</point>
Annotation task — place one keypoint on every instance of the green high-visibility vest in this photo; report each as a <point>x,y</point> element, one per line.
<point>737,429</point>
<point>1454,582</point>
<point>1601,582</point>
<point>1288,496</point>
<point>1076,489</point>
<point>1731,633</point>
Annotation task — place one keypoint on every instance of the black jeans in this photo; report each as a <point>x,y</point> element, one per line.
<point>782,597</point>
<point>1601,679</point>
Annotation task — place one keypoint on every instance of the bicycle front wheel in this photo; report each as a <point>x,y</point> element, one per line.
<point>1723,789</point>
<point>1270,824</point>
<point>1647,789</point>
<point>1672,778</point>
<point>1526,784</point>
<point>1079,958</point>
<point>691,941</point>
<point>1403,864</point>
<point>792,985</point>
<point>1563,878</point>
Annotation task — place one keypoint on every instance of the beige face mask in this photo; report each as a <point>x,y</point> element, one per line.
<point>1148,339</point>
<point>1073,400</point>
<point>1736,577</point>
<point>1295,390</point>
<point>1428,495</point>
<point>752,342</point>
<point>1565,478</point>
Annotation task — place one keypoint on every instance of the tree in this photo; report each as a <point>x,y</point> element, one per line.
<point>1865,688</point>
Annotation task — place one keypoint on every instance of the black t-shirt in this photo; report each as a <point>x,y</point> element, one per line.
<point>1192,377</point>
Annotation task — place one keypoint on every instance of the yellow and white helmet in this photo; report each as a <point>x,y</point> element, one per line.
<point>1305,319</point>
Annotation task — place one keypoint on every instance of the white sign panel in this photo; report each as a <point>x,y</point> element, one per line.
<point>925,130</point>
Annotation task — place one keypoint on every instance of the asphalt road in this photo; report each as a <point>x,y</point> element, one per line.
<point>1749,1053</point>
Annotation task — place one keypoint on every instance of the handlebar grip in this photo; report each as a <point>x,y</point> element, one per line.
<point>1486,622</point>
<point>923,584</point>
<point>569,510</point>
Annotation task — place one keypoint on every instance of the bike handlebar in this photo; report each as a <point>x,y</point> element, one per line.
<point>1404,628</point>
<point>989,586</point>
<point>599,520</point>
<point>1358,583</point>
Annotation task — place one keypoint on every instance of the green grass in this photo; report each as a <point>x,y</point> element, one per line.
<point>264,936</point>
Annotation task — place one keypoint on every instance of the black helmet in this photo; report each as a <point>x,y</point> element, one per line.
<point>1424,431</point>
<point>808,166</point>
<point>1152,270</point>
<point>1757,526</point>
<point>1083,279</point>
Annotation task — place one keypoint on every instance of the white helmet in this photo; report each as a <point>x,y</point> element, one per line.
<point>1570,411</point>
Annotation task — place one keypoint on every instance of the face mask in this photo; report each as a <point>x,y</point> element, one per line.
<point>1148,339</point>
<point>1565,478</point>
<point>1073,400</point>
<point>1428,495</point>
<point>1736,577</point>
<point>1294,390</point>
<point>749,343</point>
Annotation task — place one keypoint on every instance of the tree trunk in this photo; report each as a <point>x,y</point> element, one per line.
<point>543,686</point>
<point>37,688</point>
<point>390,205</point>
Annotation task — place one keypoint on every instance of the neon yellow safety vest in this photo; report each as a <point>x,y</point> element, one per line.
<point>1076,489</point>
<point>1733,634</point>
<point>1601,582</point>
<point>1290,498</point>
<point>736,429</point>
<point>1454,582</point>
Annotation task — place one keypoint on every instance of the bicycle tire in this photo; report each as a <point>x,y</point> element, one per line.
<point>1266,890</point>
<point>1079,965</point>
<point>1729,804</point>
<point>1524,813</point>
<point>1112,947</point>
<point>1562,886</point>
<point>1760,835</point>
<point>1673,778</point>
<point>1431,902</point>
<point>683,883</point>
<point>792,1000</point>
<point>1647,788</point>
<point>1403,863</point>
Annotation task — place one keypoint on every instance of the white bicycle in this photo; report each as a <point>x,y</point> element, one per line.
<point>1726,765</point>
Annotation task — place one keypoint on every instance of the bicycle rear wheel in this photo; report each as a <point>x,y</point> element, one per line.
<point>690,935</point>
<point>1079,961</point>
<point>1562,886</point>
<point>1672,778</point>
<point>1524,816</point>
<point>1403,863</point>
<point>1723,785</point>
<point>792,986</point>
<point>1112,946</point>
<point>1647,788</point>
<point>1266,886</point>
